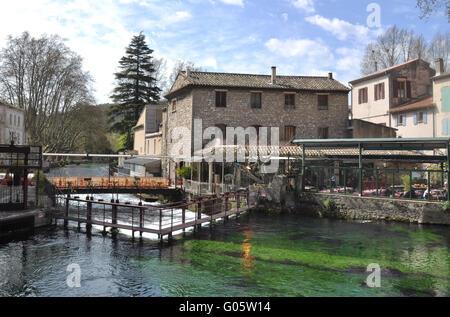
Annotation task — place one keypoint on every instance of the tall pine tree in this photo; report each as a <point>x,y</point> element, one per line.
<point>136,87</point>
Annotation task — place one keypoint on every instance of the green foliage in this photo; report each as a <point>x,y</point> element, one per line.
<point>329,204</point>
<point>406,181</point>
<point>185,172</point>
<point>446,206</point>
<point>41,177</point>
<point>136,87</point>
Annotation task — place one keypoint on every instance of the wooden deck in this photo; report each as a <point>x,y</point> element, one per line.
<point>167,219</point>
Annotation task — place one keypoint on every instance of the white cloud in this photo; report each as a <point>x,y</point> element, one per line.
<point>343,30</point>
<point>305,5</point>
<point>99,31</point>
<point>297,48</point>
<point>233,2</point>
<point>285,17</point>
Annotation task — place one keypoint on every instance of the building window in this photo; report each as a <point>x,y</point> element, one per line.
<point>323,133</point>
<point>322,102</point>
<point>10,119</point>
<point>255,100</point>
<point>289,101</point>
<point>174,105</point>
<point>362,95</point>
<point>420,117</point>
<point>221,99</point>
<point>289,133</point>
<point>18,121</point>
<point>402,88</point>
<point>379,91</point>
<point>154,147</point>
<point>400,120</point>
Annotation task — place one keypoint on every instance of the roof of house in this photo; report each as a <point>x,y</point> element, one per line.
<point>231,80</point>
<point>421,104</point>
<point>386,71</point>
<point>441,76</point>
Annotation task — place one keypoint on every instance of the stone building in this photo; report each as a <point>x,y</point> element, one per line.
<point>300,106</point>
<point>12,125</point>
<point>398,97</point>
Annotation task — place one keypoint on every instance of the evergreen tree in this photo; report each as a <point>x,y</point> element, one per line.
<point>136,87</point>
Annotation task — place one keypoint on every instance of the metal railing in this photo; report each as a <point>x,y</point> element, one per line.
<point>378,182</point>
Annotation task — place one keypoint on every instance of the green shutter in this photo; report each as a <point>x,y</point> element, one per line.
<point>445,99</point>
<point>445,127</point>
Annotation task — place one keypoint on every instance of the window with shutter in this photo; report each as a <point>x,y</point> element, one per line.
<point>445,127</point>
<point>408,89</point>
<point>289,133</point>
<point>255,100</point>
<point>322,102</point>
<point>221,99</point>
<point>289,101</point>
<point>323,133</point>
<point>445,96</point>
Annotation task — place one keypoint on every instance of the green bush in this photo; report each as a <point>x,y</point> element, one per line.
<point>446,206</point>
<point>41,176</point>
<point>186,171</point>
<point>406,182</point>
<point>329,204</point>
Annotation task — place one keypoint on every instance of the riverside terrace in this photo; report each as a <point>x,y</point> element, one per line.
<point>392,168</point>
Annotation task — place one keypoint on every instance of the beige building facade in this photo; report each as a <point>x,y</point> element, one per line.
<point>12,125</point>
<point>399,97</point>
<point>147,132</point>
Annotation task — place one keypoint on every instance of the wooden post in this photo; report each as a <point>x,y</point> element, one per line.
<point>248,199</point>
<point>199,213</point>
<point>114,218</point>
<point>66,212</point>
<point>141,220</point>
<point>213,210</point>
<point>183,215</point>
<point>89,216</point>
<point>360,171</point>
<point>238,202</point>
<point>226,208</point>
<point>448,172</point>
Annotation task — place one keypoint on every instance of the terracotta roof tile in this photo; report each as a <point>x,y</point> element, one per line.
<point>230,80</point>
<point>424,103</point>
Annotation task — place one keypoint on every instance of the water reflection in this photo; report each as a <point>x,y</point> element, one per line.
<point>248,262</point>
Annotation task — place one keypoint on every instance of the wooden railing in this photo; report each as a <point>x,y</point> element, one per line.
<point>161,220</point>
<point>108,182</point>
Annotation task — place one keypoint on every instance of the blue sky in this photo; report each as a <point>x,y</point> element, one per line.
<point>300,37</point>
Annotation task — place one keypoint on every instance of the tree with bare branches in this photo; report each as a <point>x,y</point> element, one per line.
<point>428,7</point>
<point>398,45</point>
<point>45,78</point>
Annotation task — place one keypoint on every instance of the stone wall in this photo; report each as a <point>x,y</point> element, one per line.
<point>372,208</point>
<point>306,116</point>
<point>180,117</point>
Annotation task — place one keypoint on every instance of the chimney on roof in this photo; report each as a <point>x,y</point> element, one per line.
<point>330,75</point>
<point>274,75</point>
<point>188,72</point>
<point>439,66</point>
